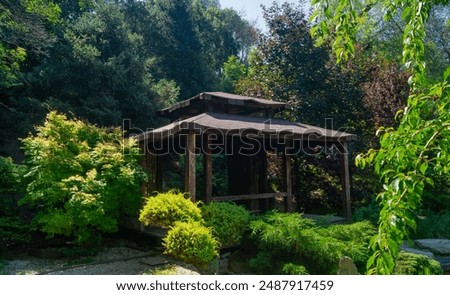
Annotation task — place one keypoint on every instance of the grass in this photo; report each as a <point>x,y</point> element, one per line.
<point>164,270</point>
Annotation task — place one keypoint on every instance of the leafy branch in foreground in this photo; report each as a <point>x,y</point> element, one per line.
<point>417,152</point>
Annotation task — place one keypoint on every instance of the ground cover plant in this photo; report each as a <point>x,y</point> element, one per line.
<point>289,243</point>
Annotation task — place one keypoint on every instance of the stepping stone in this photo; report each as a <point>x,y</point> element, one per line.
<point>154,261</point>
<point>437,246</point>
<point>445,263</point>
<point>418,251</point>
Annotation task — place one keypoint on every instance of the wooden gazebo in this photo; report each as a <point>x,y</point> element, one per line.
<point>245,130</point>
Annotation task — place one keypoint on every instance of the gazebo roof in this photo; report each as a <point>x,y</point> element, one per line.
<point>221,102</point>
<point>228,124</point>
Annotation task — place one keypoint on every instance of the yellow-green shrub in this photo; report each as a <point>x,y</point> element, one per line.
<point>191,242</point>
<point>81,178</point>
<point>167,208</point>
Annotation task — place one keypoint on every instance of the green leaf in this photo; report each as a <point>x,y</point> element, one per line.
<point>446,73</point>
<point>423,168</point>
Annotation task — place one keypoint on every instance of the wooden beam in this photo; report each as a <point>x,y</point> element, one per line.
<point>189,177</point>
<point>248,197</point>
<point>345,181</point>
<point>207,170</point>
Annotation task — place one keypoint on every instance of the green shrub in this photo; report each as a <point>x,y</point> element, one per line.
<point>13,230</point>
<point>263,263</point>
<point>82,178</point>
<point>294,269</point>
<point>165,209</point>
<point>433,225</point>
<point>416,264</point>
<point>191,242</point>
<point>227,220</point>
<point>370,212</point>
<point>293,239</point>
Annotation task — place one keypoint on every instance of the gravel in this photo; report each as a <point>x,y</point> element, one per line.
<point>119,260</point>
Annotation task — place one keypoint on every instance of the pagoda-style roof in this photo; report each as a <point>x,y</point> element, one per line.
<point>227,124</point>
<point>245,131</point>
<point>221,102</point>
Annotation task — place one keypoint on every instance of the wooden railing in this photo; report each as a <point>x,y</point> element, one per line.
<point>249,197</point>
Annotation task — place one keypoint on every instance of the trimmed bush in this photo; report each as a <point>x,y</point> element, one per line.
<point>165,209</point>
<point>191,242</point>
<point>227,220</point>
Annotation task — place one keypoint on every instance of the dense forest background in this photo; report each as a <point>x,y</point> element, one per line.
<point>106,61</point>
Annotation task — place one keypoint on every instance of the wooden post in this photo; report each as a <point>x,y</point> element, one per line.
<point>254,184</point>
<point>159,172</point>
<point>207,170</point>
<point>345,180</point>
<point>189,177</point>
<point>144,164</point>
<point>287,179</point>
<point>263,183</point>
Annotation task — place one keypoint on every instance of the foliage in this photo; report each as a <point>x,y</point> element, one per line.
<point>165,270</point>
<point>22,30</point>
<point>165,209</point>
<point>416,264</point>
<point>287,240</point>
<point>417,152</point>
<point>233,71</point>
<point>227,220</point>
<point>10,178</point>
<point>14,231</point>
<point>106,61</point>
<point>191,242</point>
<point>433,225</point>
<point>370,212</point>
<point>81,178</point>
<point>294,269</point>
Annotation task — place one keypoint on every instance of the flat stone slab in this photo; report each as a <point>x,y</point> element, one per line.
<point>445,263</point>
<point>327,218</point>
<point>418,251</point>
<point>154,261</point>
<point>437,246</point>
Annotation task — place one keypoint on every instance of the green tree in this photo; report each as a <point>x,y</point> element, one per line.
<point>233,71</point>
<point>81,178</point>
<point>415,153</point>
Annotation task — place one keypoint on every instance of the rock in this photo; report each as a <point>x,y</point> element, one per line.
<point>437,246</point>
<point>237,263</point>
<point>347,267</point>
<point>445,263</point>
<point>418,251</point>
<point>154,261</point>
